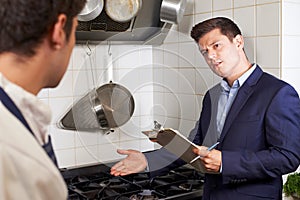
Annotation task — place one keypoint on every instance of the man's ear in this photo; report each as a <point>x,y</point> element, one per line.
<point>58,35</point>
<point>239,41</point>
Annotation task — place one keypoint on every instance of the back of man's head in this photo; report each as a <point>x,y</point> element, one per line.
<point>24,24</point>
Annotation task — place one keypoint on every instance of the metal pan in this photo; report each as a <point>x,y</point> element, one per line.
<point>108,106</point>
<point>172,11</point>
<point>91,10</point>
<point>122,10</point>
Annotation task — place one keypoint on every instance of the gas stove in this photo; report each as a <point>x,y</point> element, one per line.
<point>95,183</point>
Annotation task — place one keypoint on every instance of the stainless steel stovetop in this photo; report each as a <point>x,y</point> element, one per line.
<point>95,183</point>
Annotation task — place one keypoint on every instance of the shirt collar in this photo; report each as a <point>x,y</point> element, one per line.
<point>35,111</point>
<point>239,82</point>
<point>242,79</point>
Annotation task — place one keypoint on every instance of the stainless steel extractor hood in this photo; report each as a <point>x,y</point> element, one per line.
<point>146,27</point>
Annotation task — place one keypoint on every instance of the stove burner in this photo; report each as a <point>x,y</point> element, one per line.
<point>144,195</point>
<point>79,179</point>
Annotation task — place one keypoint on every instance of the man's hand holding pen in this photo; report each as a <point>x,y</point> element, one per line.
<point>211,158</point>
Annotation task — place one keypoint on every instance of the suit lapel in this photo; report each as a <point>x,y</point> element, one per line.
<point>242,96</point>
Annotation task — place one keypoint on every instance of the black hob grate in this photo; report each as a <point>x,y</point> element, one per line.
<point>95,183</point>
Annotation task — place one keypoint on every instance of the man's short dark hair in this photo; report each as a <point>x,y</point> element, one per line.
<point>225,25</point>
<point>24,24</point>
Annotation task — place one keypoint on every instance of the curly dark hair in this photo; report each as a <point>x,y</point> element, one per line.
<point>226,26</point>
<point>24,23</point>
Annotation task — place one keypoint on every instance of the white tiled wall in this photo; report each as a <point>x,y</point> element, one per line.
<point>168,81</point>
<point>290,41</point>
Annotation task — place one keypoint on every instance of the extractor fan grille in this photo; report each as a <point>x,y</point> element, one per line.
<point>103,23</point>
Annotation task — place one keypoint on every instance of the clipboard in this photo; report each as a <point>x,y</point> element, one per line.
<point>177,144</point>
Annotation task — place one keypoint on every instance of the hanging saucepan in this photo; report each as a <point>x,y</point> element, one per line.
<point>108,106</point>
<point>105,107</point>
<point>91,10</point>
<point>122,10</point>
<point>172,11</point>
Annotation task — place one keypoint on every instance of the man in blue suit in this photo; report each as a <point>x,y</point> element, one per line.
<point>254,116</point>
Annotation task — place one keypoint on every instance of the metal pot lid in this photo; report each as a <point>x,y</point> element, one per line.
<point>122,10</point>
<point>91,10</point>
<point>172,11</point>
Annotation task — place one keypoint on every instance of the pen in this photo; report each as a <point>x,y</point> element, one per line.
<point>213,146</point>
<point>208,149</point>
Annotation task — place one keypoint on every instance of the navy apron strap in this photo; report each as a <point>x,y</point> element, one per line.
<point>11,106</point>
<point>49,150</point>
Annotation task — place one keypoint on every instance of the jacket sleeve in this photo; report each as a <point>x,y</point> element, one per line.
<point>161,161</point>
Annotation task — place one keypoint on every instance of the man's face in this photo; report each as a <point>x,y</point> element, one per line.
<point>221,54</point>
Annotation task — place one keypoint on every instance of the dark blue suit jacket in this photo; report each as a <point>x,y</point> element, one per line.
<point>260,140</point>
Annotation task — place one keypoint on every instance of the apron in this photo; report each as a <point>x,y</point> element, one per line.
<point>10,105</point>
